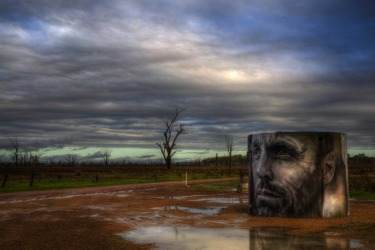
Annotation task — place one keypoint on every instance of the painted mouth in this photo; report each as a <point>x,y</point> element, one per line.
<point>268,193</point>
<point>268,198</point>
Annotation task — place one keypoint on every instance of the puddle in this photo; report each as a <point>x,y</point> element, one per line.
<point>180,197</point>
<point>144,217</point>
<point>166,237</point>
<point>227,200</point>
<point>224,200</point>
<point>190,238</point>
<point>93,207</point>
<point>356,244</point>
<point>275,238</point>
<point>207,211</point>
<point>65,196</point>
<point>122,193</point>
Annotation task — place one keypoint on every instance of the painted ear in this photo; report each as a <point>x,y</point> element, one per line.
<point>329,167</point>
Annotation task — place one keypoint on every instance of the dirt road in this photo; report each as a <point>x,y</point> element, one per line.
<point>104,189</point>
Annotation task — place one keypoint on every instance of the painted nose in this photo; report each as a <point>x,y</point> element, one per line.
<point>264,170</point>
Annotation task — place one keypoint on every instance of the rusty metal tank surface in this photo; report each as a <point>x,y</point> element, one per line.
<point>298,174</point>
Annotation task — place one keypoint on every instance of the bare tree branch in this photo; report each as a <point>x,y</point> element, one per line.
<point>106,154</point>
<point>16,155</point>
<point>71,160</point>
<point>167,147</point>
<point>229,145</point>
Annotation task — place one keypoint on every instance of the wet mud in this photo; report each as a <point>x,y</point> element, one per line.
<point>169,217</point>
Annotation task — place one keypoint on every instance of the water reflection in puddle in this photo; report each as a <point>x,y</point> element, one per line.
<point>207,211</point>
<point>224,200</point>
<point>180,197</point>
<point>190,238</point>
<point>276,238</point>
<point>231,238</point>
<point>120,194</point>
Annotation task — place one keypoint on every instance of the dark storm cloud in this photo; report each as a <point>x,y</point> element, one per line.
<point>106,73</point>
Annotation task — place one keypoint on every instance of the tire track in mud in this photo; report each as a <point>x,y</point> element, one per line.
<point>44,194</point>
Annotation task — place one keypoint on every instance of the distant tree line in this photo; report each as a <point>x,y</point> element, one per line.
<point>361,163</point>
<point>73,160</point>
<point>168,148</point>
<point>26,157</point>
<point>23,156</point>
<point>235,160</point>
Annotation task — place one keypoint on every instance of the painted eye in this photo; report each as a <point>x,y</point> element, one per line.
<point>256,152</point>
<point>282,152</point>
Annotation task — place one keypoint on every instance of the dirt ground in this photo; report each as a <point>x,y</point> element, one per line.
<point>93,218</point>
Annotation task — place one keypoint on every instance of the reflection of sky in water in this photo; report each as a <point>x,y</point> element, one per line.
<point>207,211</point>
<point>224,200</point>
<point>233,238</point>
<point>121,194</point>
<point>182,197</point>
<point>190,238</point>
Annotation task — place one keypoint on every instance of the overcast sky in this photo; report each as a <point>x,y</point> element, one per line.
<point>86,75</point>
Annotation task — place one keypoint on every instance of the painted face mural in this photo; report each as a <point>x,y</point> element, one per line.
<point>298,174</point>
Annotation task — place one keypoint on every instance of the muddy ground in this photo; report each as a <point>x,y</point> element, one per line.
<point>94,218</point>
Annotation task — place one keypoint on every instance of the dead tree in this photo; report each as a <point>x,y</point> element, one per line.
<point>16,155</point>
<point>34,162</point>
<point>31,160</point>
<point>4,180</point>
<point>106,154</point>
<point>171,133</point>
<point>229,144</point>
<point>71,160</point>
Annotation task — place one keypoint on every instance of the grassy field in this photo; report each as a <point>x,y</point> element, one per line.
<point>361,195</point>
<point>23,185</point>
<point>60,178</point>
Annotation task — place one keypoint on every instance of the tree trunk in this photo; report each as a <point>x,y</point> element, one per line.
<point>230,163</point>
<point>32,179</point>
<point>169,162</point>
<point>5,180</point>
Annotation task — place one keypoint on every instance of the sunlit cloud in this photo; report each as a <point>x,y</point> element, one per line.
<point>108,73</point>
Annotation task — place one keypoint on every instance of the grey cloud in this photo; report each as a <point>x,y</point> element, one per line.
<point>108,72</point>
